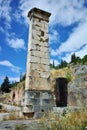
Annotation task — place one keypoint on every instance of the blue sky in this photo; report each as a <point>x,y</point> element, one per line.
<point>67,32</point>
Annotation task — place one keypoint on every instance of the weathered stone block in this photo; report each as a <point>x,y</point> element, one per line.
<point>46,25</point>
<point>44,74</point>
<point>33,59</point>
<point>42,24</point>
<point>45,61</point>
<point>46,95</point>
<point>36,66</point>
<point>32,47</point>
<point>45,68</point>
<point>36,108</point>
<point>35,73</point>
<point>36,37</point>
<point>46,44</point>
<point>40,67</point>
<point>31,94</point>
<point>40,54</point>
<point>38,33</point>
<point>45,102</point>
<point>28,82</point>
<point>44,30</point>
<point>42,101</point>
<point>44,39</point>
<point>37,23</point>
<point>35,42</point>
<point>44,49</point>
<point>35,19</point>
<point>42,83</point>
<point>37,28</point>
<point>28,109</point>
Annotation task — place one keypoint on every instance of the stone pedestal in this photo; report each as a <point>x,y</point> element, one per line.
<point>38,96</point>
<point>37,102</point>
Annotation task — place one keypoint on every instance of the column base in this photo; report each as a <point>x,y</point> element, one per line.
<point>37,102</point>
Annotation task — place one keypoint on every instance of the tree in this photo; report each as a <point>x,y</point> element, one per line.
<point>53,64</point>
<point>84,59</point>
<point>22,77</point>
<point>73,58</point>
<point>5,86</point>
<point>79,60</point>
<point>63,64</point>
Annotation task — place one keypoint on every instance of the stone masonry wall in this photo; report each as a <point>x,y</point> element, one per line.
<point>38,60</point>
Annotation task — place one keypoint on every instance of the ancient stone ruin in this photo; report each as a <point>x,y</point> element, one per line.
<point>38,97</point>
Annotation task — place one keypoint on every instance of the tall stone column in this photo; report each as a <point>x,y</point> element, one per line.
<point>38,96</point>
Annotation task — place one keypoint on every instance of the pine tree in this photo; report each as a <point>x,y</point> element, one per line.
<point>73,58</point>
<point>5,86</point>
<point>53,64</point>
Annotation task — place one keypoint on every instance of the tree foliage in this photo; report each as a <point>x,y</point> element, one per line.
<point>5,86</point>
<point>63,64</point>
<point>73,58</point>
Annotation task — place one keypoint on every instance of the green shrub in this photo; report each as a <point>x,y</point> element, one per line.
<point>68,77</point>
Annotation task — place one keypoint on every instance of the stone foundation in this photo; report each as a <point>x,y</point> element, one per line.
<point>38,102</point>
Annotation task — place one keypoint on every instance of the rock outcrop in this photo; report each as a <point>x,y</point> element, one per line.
<point>77,89</point>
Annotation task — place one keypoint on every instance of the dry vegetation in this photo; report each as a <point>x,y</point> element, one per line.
<point>14,116</point>
<point>66,72</point>
<point>69,121</point>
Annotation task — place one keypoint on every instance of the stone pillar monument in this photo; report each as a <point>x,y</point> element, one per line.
<point>38,96</point>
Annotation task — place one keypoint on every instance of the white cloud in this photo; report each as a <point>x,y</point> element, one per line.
<point>55,62</point>
<point>76,39</point>
<point>7,16</point>
<point>5,10</point>
<point>12,40</point>
<point>67,57</point>
<point>53,36</point>
<point>54,52</point>
<point>16,43</point>
<point>10,65</point>
<point>82,52</point>
<point>64,12</point>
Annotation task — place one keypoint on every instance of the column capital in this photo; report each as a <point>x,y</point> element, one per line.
<point>40,14</point>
